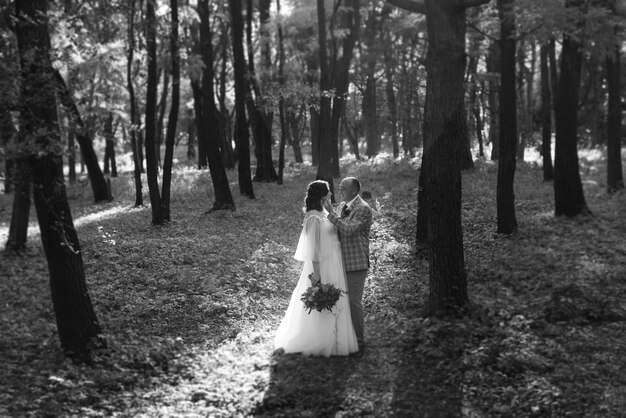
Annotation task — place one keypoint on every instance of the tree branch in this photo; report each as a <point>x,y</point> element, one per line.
<point>416,6</point>
<point>472,3</point>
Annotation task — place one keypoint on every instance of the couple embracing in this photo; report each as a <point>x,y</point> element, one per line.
<point>335,250</point>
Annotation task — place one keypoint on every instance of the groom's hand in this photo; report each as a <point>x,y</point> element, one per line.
<point>328,205</point>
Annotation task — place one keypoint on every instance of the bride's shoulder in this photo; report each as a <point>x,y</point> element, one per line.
<point>313,214</point>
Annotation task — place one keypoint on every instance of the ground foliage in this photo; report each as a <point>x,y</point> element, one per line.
<point>189,308</point>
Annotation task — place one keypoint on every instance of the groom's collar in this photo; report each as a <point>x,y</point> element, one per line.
<point>351,203</point>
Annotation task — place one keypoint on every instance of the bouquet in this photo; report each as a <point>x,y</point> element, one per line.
<point>321,296</point>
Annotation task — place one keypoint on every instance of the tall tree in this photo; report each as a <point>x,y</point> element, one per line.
<point>569,199</point>
<point>505,200</point>
<point>110,166</point>
<point>260,120</point>
<point>615,179</point>
<point>210,116</point>
<point>546,114</point>
<point>284,127</point>
<point>172,120</point>
<point>18,231</point>
<point>134,120</point>
<point>242,134</point>
<point>325,168</point>
<point>78,327</point>
<point>151,93</point>
<point>444,121</point>
<point>96,177</point>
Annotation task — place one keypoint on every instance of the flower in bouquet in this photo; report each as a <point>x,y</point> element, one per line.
<point>321,296</point>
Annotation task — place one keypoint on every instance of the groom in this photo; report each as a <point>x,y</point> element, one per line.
<point>353,226</point>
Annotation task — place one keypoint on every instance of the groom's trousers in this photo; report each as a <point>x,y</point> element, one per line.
<point>356,282</point>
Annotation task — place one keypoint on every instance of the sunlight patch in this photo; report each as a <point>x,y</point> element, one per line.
<point>99,216</point>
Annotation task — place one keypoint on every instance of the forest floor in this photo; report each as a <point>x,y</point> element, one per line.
<point>189,309</point>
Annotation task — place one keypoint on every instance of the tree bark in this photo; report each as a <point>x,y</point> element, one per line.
<point>242,134</point>
<point>172,119</point>
<point>96,177</point>
<point>18,230</point>
<point>78,327</point>
<point>569,199</point>
<point>615,179</point>
<point>370,118</point>
<point>134,122</point>
<point>210,117</point>
<point>493,68</point>
<point>151,109</point>
<point>161,119</point>
<point>546,115</point>
<point>444,120</point>
<point>8,133</point>
<point>324,169</point>
<point>110,166</point>
<point>259,120</point>
<point>505,199</point>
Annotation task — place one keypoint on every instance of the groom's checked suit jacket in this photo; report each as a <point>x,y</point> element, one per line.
<point>354,231</point>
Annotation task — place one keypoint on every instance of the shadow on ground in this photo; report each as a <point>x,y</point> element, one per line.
<point>306,386</point>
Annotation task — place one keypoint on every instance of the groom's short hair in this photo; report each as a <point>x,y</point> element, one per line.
<point>355,183</point>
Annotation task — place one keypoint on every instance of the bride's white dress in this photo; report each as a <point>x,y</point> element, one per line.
<point>318,333</point>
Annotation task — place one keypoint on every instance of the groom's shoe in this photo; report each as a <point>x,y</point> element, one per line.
<point>359,354</point>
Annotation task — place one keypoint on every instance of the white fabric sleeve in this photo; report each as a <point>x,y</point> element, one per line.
<point>309,244</point>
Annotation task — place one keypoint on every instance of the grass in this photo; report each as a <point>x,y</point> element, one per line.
<point>189,309</point>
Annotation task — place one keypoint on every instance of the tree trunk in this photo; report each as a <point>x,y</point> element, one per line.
<point>370,116</point>
<point>8,134</point>
<point>242,134</point>
<point>260,121</point>
<point>615,179</point>
<point>134,122</point>
<point>226,148</point>
<point>505,199</point>
<point>315,134</point>
<point>284,127</point>
<point>109,149</point>
<point>294,124</point>
<point>391,103</point>
<point>210,117</point>
<point>191,135</point>
<point>324,169</point>
<point>151,109</point>
<point>160,121</point>
<point>172,120</point>
<point>78,327</point>
<point>546,115</point>
<point>493,68</point>
<point>569,199</point>
<point>21,208</point>
<point>444,120</point>
<point>96,177</point>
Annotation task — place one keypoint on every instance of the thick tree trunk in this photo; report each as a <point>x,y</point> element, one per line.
<point>284,126</point>
<point>546,115</point>
<point>18,230</point>
<point>210,116</point>
<point>569,199</point>
<point>615,179</point>
<point>96,177</point>
<point>134,122</point>
<point>172,120</point>
<point>505,199</point>
<point>242,134</point>
<point>78,327</point>
<point>151,109</point>
<point>324,169</point>
<point>444,120</point>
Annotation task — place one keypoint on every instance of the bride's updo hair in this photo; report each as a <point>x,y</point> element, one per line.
<point>314,194</point>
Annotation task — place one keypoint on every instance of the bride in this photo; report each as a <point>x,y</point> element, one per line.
<point>318,333</point>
